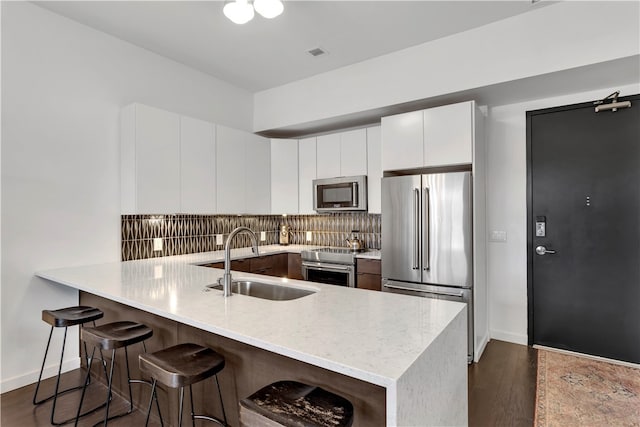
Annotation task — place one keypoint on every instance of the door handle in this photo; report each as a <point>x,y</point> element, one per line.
<point>541,250</point>
<point>416,225</point>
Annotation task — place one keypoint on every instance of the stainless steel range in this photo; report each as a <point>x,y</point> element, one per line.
<point>334,266</point>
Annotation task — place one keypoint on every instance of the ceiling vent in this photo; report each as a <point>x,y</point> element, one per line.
<point>317,51</point>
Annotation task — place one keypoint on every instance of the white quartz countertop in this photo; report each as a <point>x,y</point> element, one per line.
<point>369,335</point>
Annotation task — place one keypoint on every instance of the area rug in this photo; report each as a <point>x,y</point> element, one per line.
<point>577,391</point>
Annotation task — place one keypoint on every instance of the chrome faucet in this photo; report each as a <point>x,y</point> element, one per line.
<point>226,284</point>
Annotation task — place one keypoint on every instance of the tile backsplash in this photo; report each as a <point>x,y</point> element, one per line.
<point>185,234</point>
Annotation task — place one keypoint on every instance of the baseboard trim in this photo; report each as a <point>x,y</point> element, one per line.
<point>588,356</point>
<point>32,377</point>
<point>509,337</point>
<point>479,349</point>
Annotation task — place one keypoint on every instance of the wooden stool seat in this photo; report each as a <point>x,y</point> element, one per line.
<point>115,335</point>
<point>63,318</point>
<point>182,364</point>
<point>71,316</point>
<point>112,336</point>
<point>294,404</point>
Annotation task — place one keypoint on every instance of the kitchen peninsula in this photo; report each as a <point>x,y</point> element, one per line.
<point>400,360</point>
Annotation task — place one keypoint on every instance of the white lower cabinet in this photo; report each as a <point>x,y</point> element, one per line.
<point>149,164</point>
<point>284,176</point>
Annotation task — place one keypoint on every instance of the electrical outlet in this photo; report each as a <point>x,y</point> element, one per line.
<point>309,236</point>
<point>219,239</point>
<point>157,244</point>
<point>263,236</point>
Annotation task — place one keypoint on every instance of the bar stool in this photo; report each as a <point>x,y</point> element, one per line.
<point>294,404</point>
<point>112,336</point>
<point>63,318</point>
<point>180,366</point>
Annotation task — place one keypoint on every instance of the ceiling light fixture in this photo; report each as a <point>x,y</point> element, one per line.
<point>241,11</point>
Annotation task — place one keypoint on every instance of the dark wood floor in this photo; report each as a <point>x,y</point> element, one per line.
<point>501,393</point>
<point>502,386</point>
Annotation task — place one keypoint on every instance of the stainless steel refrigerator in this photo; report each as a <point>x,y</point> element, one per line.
<point>427,238</point>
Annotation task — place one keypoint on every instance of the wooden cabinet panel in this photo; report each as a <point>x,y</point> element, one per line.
<point>295,267</point>
<point>214,265</point>
<point>243,265</point>
<point>369,281</point>
<point>364,265</point>
<point>368,274</point>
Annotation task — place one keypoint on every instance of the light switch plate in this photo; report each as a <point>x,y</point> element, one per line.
<point>219,239</point>
<point>309,236</point>
<point>157,244</point>
<point>498,236</point>
<point>263,236</point>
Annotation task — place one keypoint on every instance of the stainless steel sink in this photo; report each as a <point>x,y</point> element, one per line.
<point>264,290</point>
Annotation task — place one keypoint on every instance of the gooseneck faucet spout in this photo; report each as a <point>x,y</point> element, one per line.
<point>226,284</point>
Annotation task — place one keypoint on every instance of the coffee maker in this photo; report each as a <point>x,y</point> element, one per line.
<point>284,234</point>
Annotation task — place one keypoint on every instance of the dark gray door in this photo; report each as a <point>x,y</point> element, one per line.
<point>584,186</point>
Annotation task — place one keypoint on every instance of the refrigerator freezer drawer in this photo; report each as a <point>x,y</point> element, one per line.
<point>446,293</point>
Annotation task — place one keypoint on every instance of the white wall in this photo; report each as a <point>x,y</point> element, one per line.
<point>557,37</point>
<point>63,85</point>
<point>506,209</point>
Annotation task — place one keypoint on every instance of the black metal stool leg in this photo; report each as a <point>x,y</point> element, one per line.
<point>44,361</point>
<point>181,405</point>
<point>224,414</point>
<point>84,388</point>
<point>153,395</point>
<point>110,380</point>
<point>193,418</point>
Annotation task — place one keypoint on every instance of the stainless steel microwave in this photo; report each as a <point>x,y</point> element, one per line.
<point>345,193</point>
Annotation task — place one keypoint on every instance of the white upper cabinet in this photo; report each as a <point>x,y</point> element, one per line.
<point>440,136</point>
<point>150,166</point>
<point>402,141</point>
<point>230,170</point>
<point>306,174</point>
<point>198,166</point>
<point>328,156</point>
<point>243,172</point>
<point>284,176</point>
<point>342,154</point>
<point>448,134</point>
<point>353,152</point>
<point>257,174</point>
<point>374,168</point>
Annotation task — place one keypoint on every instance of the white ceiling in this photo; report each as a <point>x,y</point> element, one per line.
<point>266,53</point>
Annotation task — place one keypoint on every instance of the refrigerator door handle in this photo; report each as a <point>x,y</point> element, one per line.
<point>426,251</point>
<point>406,288</point>
<point>416,225</point>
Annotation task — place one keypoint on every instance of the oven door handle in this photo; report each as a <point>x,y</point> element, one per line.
<point>404,288</point>
<point>325,267</point>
